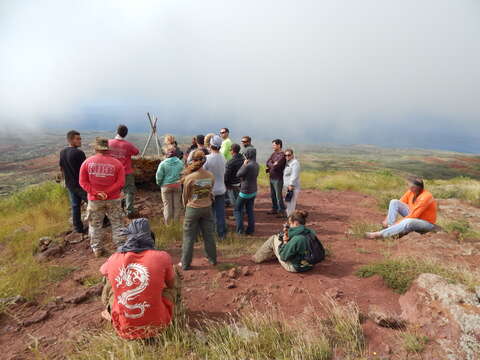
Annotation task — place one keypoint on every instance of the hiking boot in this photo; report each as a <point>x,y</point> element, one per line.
<point>184,267</point>
<point>98,252</point>
<point>273,212</point>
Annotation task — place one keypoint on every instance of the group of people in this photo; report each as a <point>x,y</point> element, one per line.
<point>213,173</point>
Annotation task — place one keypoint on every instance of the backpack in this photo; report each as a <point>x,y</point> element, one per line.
<point>317,251</point>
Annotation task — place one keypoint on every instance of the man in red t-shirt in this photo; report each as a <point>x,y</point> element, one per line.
<point>139,278</point>
<point>123,150</point>
<point>103,177</point>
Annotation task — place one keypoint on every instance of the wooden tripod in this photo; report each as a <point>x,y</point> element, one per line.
<point>153,133</point>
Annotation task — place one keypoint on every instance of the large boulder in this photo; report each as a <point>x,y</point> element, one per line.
<point>447,313</point>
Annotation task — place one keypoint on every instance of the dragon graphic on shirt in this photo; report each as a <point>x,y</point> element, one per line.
<point>130,275</point>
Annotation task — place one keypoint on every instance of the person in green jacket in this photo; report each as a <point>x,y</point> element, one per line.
<point>226,148</point>
<point>168,178</point>
<point>291,247</point>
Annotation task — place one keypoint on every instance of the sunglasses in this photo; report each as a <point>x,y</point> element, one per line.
<point>288,155</point>
<point>223,132</point>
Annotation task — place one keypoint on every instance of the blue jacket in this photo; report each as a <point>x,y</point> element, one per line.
<point>169,171</point>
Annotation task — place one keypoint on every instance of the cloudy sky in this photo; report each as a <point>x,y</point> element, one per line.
<point>398,73</point>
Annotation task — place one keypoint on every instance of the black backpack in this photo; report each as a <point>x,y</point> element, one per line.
<point>316,250</point>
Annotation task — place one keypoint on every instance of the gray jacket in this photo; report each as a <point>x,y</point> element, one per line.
<point>248,173</point>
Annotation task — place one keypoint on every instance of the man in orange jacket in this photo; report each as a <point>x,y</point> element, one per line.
<point>417,206</point>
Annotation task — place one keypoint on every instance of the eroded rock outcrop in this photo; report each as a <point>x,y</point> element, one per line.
<point>448,313</point>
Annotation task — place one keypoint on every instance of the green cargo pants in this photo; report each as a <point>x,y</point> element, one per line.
<point>96,211</point>
<point>196,220</point>
<point>129,190</point>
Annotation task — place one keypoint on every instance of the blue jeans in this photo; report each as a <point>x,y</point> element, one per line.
<point>77,195</point>
<point>405,226</point>
<point>232,194</point>
<point>219,213</point>
<point>276,187</point>
<point>240,205</point>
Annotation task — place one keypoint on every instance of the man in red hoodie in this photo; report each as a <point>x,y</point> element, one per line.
<point>123,150</point>
<point>103,178</point>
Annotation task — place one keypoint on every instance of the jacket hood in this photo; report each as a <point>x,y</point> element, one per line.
<point>139,237</point>
<point>172,160</point>
<point>297,230</point>
<point>250,154</point>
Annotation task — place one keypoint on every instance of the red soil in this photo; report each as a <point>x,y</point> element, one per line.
<point>204,289</point>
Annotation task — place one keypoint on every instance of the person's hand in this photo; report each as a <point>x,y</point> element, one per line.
<point>385,224</point>
<point>245,162</point>
<point>291,187</point>
<point>102,195</point>
<point>275,163</point>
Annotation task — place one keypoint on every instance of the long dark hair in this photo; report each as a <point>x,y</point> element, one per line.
<point>198,159</point>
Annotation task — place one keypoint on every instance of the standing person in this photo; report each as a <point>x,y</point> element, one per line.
<point>246,143</point>
<point>275,166</point>
<point>192,148</point>
<point>141,289</point>
<point>200,146</point>
<point>226,147</point>
<point>248,175</point>
<point>216,165</point>
<point>123,150</point>
<point>71,159</point>
<point>197,199</point>
<point>169,140</point>
<point>207,140</point>
<point>418,208</point>
<point>232,182</point>
<point>103,178</point>
<point>291,181</point>
<point>168,178</point>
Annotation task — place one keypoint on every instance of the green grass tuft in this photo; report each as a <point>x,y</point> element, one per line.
<point>399,273</point>
<point>413,342</point>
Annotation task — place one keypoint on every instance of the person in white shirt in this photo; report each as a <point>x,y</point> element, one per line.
<point>216,165</point>
<point>291,181</point>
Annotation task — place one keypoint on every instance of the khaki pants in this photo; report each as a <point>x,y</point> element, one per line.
<point>172,203</point>
<point>269,251</point>
<point>97,209</point>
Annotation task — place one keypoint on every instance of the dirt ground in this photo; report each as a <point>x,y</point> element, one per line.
<point>208,292</point>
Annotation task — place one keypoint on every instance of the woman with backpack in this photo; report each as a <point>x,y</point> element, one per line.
<point>293,247</point>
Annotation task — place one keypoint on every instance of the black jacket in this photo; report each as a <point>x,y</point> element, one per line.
<point>248,173</point>
<point>232,166</point>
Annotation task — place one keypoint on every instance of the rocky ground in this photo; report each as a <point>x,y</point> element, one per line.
<point>447,314</point>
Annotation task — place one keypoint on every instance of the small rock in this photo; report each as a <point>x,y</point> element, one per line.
<point>385,319</point>
<point>334,293</point>
<point>232,273</point>
<point>477,292</point>
<point>51,252</point>
<point>85,295</point>
<point>13,300</point>
<point>38,317</point>
<point>387,349</point>
<point>230,285</point>
<point>44,243</point>
<point>245,271</point>
<point>74,238</point>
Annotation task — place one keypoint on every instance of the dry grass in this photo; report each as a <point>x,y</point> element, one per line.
<point>26,216</point>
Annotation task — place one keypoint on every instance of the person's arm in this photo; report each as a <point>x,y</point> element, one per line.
<point>187,192</point>
<point>420,206</point>
<point>270,162</point>
<point>280,163</point>
<point>404,198</point>
<point>169,272</point>
<point>288,250</point>
<point>133,150</point>
<point>242,172</point>
<point>160,174</point>
<point>84,179</point>
<point>295,175</point>
<point>120,182</point>
<point>104,268</point>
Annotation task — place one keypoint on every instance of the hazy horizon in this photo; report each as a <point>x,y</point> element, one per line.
<point>392,73</point>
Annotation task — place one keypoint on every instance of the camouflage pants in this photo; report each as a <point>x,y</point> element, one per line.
<point>97,209</point>
<point>269,251</point>
<point>129,190</point>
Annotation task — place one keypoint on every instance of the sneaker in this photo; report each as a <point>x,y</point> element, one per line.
<point>98,252</point>
<point>106,315</point>
<point>181,266</point>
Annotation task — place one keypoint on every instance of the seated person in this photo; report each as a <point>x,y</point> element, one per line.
<point>289,247</point>
<point>139,279</point>
<point>417,206</point>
